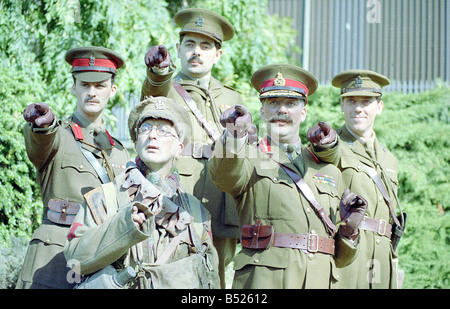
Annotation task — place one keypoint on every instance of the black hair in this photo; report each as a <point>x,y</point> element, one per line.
<point>217,44</point>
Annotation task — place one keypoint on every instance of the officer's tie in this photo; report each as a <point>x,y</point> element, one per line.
<point>295,158</point>
<point>370,152</point>
<point>101,139</point>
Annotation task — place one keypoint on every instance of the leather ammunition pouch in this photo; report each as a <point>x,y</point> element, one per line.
<point>62,211</point>
<point>257,236</point>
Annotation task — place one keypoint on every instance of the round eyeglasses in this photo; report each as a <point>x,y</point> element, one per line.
<point>161,130</point>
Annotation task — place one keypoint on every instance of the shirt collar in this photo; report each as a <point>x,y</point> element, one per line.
<point>86,123</point>
<point>297,145</point>
<point>202,81</point>
<point>365,142</point>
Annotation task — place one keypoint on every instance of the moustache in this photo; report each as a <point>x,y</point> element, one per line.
<point>196,59</point>
<point>91,100</point>
<point>285,118</point>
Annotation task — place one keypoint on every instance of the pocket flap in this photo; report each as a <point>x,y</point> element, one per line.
<point>65,206</point>
<point>272,257</point>
<point>185,165</point>
<point>264,230</point>
<point>51,234</point>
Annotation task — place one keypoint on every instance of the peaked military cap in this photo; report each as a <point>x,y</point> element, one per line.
<point>160,108</point>
<point>283,80</point>
<point>360,83</point>
<point>93,64</point>
<point>205,22</point>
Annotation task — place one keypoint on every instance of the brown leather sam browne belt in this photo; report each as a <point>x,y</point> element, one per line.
<point>377,226</point>
<point>262,237</point>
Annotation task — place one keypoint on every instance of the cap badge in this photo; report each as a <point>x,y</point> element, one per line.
<point>358,82</point>
<point>91,61</point>
<point>279,80</point>
<point>199,22</point>
<point>159,105</point>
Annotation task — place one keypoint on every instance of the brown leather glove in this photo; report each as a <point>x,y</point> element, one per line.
<point>157,56</point>
<point>321,133</point>
<point>253,134</point>
<point>351,210</point>
<point>39,113</point>
<point>237,120</point>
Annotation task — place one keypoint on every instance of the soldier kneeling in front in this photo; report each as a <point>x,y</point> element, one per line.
<point>142,230</point>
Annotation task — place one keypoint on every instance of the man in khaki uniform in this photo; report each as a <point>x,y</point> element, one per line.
<point>201,37</point>
<point>288,203</point>
<point>143,219</point>
<point>369,169</point>
<point>71,158</point>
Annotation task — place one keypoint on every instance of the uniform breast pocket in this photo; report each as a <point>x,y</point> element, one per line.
<point>328,198</point>
<point>185,165</point>
<point>392,175</point>
<point>275,196</point>
<point>74,165</point>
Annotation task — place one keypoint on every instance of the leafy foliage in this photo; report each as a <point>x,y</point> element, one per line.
<point>12,259</point>
<point>20,200</point>
<point>416,128</point>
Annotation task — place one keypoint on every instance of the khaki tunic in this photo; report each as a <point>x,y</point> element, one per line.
<point>194,171</point>
<point>62,173</point>
<point>376,264</point>
<point>94,246</point>
<point>263,191</point>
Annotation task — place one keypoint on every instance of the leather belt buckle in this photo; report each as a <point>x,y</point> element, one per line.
<point>381,227</point>
<point>64,206</point>
<point>313,238</point>
<point>197,150</point>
